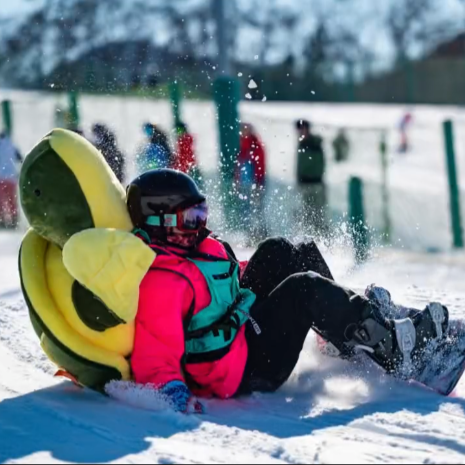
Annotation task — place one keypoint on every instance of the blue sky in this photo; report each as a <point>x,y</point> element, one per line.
<point>15,6</point>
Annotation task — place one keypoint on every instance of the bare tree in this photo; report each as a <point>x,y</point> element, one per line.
<point>273,22</point>
<point>413,23</point>
<point>61,30</point>
<point>320,35</point>
<point>334,42</point>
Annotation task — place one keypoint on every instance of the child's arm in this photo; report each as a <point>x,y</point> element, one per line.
<point>159,343</point>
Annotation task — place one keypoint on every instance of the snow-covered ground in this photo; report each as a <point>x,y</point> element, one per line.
<point>330,412</point>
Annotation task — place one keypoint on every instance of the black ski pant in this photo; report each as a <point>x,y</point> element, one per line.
<point>295,293</point>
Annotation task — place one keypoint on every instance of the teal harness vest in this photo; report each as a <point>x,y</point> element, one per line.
<point>214,329</point>
<point>210,333</point>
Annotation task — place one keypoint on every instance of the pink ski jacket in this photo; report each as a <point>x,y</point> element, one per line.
<point>165,299</point>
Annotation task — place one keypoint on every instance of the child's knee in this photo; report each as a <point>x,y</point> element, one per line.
<point>275,246</point>
<point>304,281</point>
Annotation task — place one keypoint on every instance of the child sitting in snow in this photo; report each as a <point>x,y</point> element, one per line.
<point>205,328</point>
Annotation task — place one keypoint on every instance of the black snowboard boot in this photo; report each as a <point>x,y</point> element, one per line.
<point>398,344</point>
<point>382,298</point>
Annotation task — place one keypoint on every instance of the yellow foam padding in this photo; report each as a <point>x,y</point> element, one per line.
<point>119,339</point>
<point>104,193</point>
<point>111,264</point>
<point>33,256</point>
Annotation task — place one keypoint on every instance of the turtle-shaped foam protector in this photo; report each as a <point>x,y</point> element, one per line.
<point>80,265</point>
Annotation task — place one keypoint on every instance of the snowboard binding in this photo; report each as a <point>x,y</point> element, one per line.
<point>424,346</point>
<point>399,345</point>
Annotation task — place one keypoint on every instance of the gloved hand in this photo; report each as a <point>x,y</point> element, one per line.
<point>182,399</point>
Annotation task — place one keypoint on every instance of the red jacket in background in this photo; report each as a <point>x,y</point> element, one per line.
<point>185,154</point>
<point>252,150</point>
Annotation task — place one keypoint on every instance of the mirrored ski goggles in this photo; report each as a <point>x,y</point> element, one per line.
<point>190,220</point>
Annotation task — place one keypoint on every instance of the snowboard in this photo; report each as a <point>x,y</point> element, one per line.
<point>443,362</point>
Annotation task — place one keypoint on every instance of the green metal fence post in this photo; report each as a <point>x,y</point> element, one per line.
<point>409,73</point>
<point>175,97</point>
<point>387,227</point>
<point>454,193</point>
<point>227,97</point>
<point>350,83</point>
<point>74,120</point>
<point>7,117</point>
<point>357,220</point>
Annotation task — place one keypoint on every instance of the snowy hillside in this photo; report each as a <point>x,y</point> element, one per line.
<point>330,412</point>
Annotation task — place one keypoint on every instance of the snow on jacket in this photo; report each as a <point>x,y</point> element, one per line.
<point>153,156</point>
<point>185,154</point>
<point>252,164</point>
<point>311,163</point>
<point>9,158</point>
<point>165,299</point>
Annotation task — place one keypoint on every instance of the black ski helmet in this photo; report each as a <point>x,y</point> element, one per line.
<point>161,192</point>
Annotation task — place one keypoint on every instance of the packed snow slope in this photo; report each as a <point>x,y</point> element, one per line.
<point>330,412</point>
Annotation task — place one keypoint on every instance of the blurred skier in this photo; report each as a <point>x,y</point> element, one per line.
<point>9,173</point>
<point>341,146</point>
<point>184,157</point>
<point>156,153</point>
<point>404,127</point>
<point>105,141</point>
<point>251,181</point>
<point>311,165</point>
<point>209,326</point>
